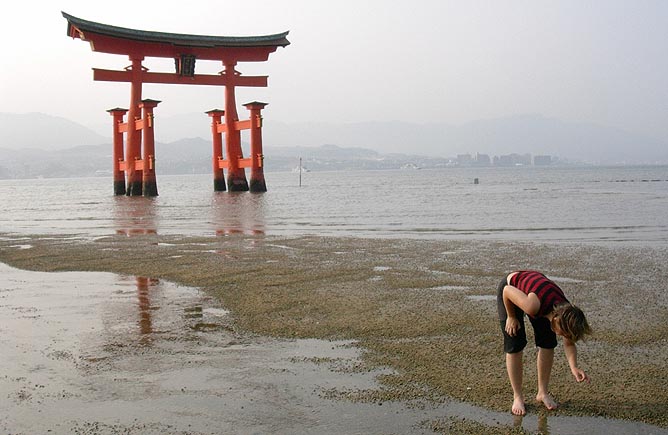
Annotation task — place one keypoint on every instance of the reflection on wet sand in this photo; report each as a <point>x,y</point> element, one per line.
<point>76,360</point>
<point>542,427</point>
<point>238,213</point>
<point>134,215</point>
<point>162,309</point>
<point>144,286</point>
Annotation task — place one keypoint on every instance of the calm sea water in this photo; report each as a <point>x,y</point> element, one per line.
<point>579,204</point>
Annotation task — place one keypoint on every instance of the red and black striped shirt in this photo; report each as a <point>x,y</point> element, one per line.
<point>549,294</point>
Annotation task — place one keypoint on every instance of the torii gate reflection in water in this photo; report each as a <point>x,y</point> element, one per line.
<point>136,164</point>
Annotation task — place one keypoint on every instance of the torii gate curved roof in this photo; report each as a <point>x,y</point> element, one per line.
<point>120,40</point>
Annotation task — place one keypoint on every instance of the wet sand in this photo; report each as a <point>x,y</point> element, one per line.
<point>381,336</point>
<point>100,353</point>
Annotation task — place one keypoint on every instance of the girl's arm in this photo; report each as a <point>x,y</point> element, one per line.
<point>530,303</point>
<point>514,297</point>
<point>571,351</point>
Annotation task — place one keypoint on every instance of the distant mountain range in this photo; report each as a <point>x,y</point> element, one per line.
<point>193,156</point>
<point>533,134</point>
<point>42,145</point>
<point>530,134</point>
<point>46,132</point>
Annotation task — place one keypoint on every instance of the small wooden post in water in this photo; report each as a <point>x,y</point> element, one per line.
<point>300,172</point>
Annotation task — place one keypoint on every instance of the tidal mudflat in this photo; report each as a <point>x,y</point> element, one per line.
<point>307,334</point>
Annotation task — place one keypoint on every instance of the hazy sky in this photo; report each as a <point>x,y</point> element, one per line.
<point>367,60</point>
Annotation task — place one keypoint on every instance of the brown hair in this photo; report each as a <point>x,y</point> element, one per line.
<point>571,321</point>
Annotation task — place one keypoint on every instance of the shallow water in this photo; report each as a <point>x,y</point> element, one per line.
<point>101,353</point>
<point>583,205</point>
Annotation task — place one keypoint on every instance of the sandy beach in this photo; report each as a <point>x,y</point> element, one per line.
<point>410,325</point>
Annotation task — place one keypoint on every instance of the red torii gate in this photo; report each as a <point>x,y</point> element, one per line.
<point>137,163</point>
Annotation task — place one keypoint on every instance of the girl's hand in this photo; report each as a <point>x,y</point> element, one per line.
<point>580,375</point>
<point>512,326</point>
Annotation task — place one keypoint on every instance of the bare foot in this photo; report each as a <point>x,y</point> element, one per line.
<point>547,400</point>
<point>518,406</point>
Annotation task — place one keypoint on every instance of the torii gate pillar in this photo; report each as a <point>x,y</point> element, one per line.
<point>149,184</point>
<point>257,183</point>
<point>117,151</point>
<point>235,163</point>
<point>217,157</point>
<point>236,177</point>
<point>139,166</point>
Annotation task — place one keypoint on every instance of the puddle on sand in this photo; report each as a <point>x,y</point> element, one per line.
<point>104,354</point>
<point>564,279</point>
<point>450,287</point>
<point>481,298</point>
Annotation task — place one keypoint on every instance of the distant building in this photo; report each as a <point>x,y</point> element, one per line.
<point>542,160</point>
<point>464,159</point>
<point>482,160</point>
<point>503,161</point>
<point>513,160</point>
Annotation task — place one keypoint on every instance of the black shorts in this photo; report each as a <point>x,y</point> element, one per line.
<point>544,336</point>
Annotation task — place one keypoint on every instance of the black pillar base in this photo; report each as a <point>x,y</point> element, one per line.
<point>150,188</point>
<point>219,185</point>
<point>119,187</point>
<point>258,185</point>
<point>134,189</point>
<point>237,184</point>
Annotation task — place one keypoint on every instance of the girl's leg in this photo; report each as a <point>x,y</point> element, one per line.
<point>514,367</point>
<point>513,347</point>
<point>544,365</point>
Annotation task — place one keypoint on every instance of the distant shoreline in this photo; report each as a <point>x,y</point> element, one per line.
<point>27,160</point>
